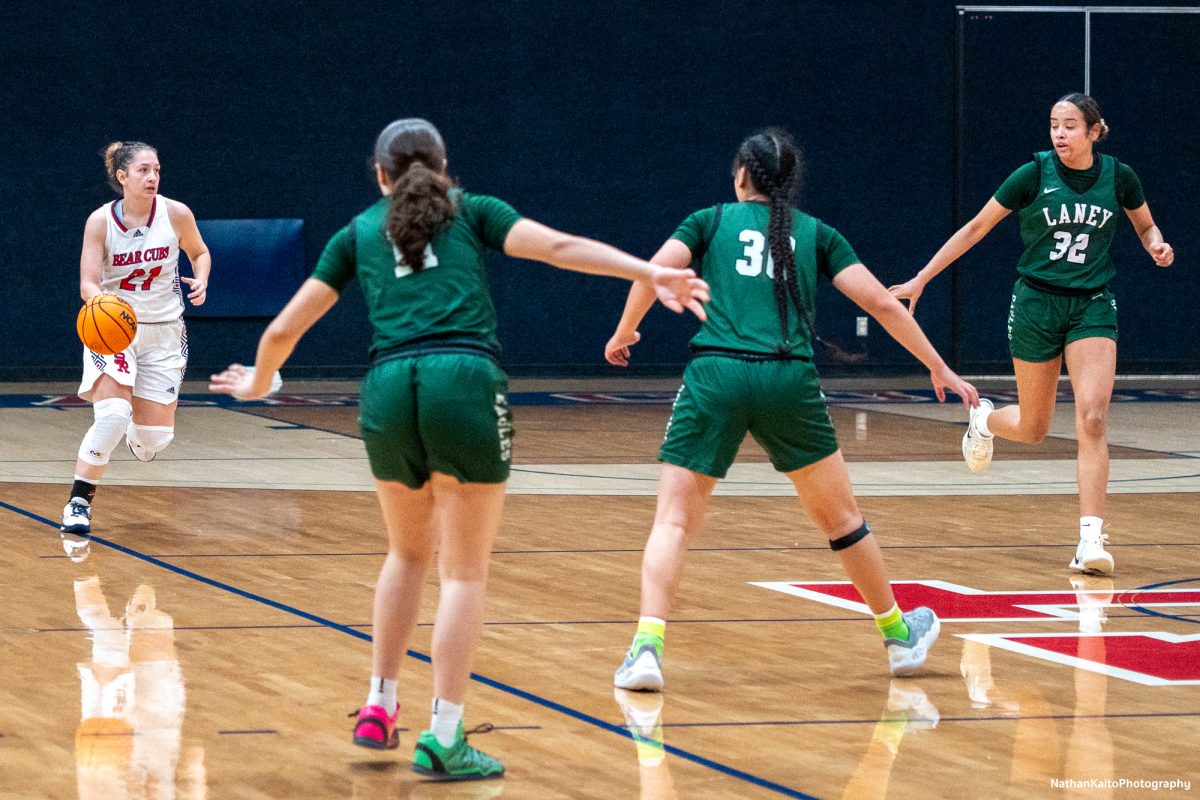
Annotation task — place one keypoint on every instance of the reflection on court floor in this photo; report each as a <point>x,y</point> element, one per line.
<point>243,560</point>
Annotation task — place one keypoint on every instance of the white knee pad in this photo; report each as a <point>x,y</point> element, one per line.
<point>112,418</point>
<point>147,441</point>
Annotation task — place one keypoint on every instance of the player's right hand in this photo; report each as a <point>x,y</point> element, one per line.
<point>239,382</point>
<point>617,350</point>
<point>946,378</point>
<point>680,289</point>
<point>909,290</point>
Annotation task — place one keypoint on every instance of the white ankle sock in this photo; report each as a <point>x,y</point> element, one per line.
<point>1090,528</point>
<point>383,693</point>
<point>444,721</point>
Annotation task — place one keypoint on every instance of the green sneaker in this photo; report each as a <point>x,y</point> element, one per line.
<point>458,762</point>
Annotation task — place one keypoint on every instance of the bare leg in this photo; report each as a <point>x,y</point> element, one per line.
<point>683,496</point>
<point>824,490</point>
<point>1092,365</point>
<point>1037,388</point>
<point>412,538</point>
<point>468,518</point>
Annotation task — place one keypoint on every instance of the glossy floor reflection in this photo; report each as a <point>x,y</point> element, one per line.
<point>210,637</point>
<point>129,740</point>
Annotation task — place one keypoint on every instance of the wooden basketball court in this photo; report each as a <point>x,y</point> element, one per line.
<point>217,633</point>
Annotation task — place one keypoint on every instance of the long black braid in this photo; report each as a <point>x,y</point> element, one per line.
<point>773,162</point>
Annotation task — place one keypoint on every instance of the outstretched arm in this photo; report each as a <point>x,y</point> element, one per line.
<point>963,240</point>
<point>857,283</point>
<point>674,254</point>
<point>309,304</point>
<point>677,289</point>
<point>1151,236</point>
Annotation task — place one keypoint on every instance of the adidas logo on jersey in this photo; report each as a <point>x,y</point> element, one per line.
<point>138,232</point>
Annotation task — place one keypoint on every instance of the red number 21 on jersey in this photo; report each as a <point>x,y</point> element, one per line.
<point>128,283</point>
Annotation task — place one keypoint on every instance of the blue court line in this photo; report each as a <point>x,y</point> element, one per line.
<point>716,766</point>
<point>1152,613</point>
<point>248,733</point>
<point>875,720</point>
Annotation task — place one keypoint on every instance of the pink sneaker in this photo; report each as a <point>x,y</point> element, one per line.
<point>375,729</point>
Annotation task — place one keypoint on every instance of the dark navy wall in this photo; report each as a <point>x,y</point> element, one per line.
<point>613,120</point>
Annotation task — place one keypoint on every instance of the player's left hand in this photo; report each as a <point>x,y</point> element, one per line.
<point>1163,254</point>
<point>199,290</point>
<point>237,381</point>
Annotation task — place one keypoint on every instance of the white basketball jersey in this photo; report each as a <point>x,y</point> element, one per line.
<point>142,264</point>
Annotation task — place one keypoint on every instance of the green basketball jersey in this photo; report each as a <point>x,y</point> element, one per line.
<point>732,255</point>
<point>1067,234</point>
<point>448,300</point>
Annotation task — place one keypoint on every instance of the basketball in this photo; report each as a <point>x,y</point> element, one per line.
<point>106,324</point>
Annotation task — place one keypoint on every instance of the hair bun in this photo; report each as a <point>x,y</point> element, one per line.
<point>110,156</point>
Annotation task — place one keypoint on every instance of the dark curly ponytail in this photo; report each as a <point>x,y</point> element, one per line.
<point>773,162</point>
<point>413,157</point>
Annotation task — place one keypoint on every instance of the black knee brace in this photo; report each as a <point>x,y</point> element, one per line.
<point>850,539</point>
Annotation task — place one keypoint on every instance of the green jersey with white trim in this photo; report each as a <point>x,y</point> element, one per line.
<point>1067,234</point>
<point>735,259</point>
<point>448,299</point>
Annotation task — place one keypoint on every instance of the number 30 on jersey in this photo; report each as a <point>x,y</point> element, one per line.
<point>752,263</point>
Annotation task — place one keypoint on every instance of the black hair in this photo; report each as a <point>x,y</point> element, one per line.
<point>773,163</point>
<point>118,156</point>
<point>1090,109</point>
<point>413,157</point>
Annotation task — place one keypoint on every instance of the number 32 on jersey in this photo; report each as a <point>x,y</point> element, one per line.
<point>1074,251</point>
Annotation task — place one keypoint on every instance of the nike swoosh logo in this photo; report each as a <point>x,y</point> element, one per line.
<point>1048,191</point>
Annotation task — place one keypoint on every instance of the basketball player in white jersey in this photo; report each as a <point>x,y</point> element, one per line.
<point>131,249</point>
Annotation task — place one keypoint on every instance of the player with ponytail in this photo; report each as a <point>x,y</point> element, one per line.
<point>752,372</point>
<point>434,409</point>
<point>1063,309</point>
<point>131,248</point>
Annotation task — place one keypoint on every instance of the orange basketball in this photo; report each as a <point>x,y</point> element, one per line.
<point>106,324</point>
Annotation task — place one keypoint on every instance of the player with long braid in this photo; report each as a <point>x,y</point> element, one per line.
<point>752,371</point>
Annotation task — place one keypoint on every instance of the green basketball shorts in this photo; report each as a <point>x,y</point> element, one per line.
<point>779,403</point>
<point>1041,324</point>
<point>437,412</point>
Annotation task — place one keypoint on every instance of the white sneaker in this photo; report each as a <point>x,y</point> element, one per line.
<point>977,448</point>
<point>77,516</point>
<point>139,452</point>
<point>907,656</point>
<point>640,671</point>
<point>1090,555</point>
